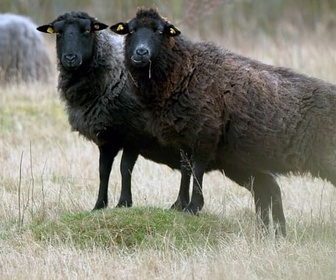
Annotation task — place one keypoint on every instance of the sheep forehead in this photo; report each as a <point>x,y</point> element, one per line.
<point>148,18</point>
<point>85,23</point>
<point>72,17</point>
<point>149,13</point>
<point>147,23</point>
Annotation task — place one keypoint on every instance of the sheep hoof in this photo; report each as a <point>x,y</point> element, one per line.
<point>191,210</point>
<point>124,203</point>
<point>179,206</point>
<point>99,205</point>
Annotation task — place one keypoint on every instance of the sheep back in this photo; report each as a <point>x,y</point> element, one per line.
<point>263,117</point>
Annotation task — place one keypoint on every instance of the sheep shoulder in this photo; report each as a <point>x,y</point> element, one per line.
<point>91,94</point>
<point>185,103</point>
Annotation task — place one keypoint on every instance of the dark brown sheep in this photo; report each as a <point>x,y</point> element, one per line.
<point>255,119</point>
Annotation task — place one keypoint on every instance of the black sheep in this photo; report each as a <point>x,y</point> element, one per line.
<point>258,120</point>
<point>93,85</point>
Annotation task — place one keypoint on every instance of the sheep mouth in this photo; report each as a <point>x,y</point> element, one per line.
<point>140,61</point>
<point>71,65</point>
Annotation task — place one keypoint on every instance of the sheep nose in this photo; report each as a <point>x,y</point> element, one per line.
<point>142,51</point>
<point>70,57</point>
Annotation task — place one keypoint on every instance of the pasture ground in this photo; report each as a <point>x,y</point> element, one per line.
<point>49,183</point>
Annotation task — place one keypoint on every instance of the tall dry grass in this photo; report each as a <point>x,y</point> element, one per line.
<point>47,170</point>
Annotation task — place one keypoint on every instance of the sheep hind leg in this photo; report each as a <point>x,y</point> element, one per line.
<point>327,173</point>
<point>267,195</point>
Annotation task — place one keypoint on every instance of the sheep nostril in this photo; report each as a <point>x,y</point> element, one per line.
<point>71,57</point>
<point>142,51</point>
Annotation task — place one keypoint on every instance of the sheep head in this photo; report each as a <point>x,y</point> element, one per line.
<point>146,33</point>
<point>75,38</point>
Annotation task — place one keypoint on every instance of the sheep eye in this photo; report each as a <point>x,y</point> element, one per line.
<point>159,31</point>
<point>87,31</point>
<point>131,31</point>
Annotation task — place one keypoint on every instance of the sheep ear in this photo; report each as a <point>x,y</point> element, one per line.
<point>171,30</point>
<point>96,26</point>
<point>120,28</point>
<point>47,28</point>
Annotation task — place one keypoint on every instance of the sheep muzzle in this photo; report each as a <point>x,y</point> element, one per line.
<point>141,57</point>
<point>71,61</point>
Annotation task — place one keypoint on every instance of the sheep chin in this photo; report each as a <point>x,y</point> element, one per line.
<point>139,62</point>
<point>72,66</point>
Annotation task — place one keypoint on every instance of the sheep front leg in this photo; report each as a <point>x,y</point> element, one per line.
<point>183,196</point>
<point>127,163</point>
<point>106,156</point>
<point>197,199</point>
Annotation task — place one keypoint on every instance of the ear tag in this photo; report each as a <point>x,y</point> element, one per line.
<point>172,30</point>
<point>120,27</point>
<point>96,26</point>
<point>50,30</point>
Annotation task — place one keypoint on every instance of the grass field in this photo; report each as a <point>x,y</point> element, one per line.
<point>49,183</point>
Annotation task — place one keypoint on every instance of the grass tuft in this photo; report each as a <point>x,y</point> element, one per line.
<point>132,228</point>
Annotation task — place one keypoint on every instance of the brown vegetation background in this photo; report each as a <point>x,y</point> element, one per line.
<point>47,172</point>
<point>271,17</point>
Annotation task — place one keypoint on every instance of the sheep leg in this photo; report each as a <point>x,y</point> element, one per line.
<point>127,163</point>
<point>279,221</point>
<point>262,204</point>
<point>267,195</point>
<point>106,157</point>
<point>183,196</point>
<point>197,199</point>
<point>259,192</point>
<point>327,171</point>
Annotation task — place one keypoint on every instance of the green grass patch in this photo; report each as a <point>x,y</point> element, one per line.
<point>132,228</point>
<point>22,112</point>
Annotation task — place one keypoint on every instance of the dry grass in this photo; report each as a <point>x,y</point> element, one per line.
<point>48,171</point>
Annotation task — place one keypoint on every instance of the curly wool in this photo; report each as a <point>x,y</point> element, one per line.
<point>265,118</point>
<point>100,105</point>
<point>90,94</point>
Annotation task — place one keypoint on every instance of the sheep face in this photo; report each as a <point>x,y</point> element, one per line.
<point>145,36</point>
<point>75,38</point>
